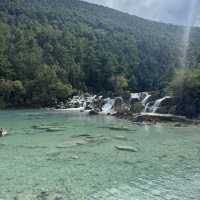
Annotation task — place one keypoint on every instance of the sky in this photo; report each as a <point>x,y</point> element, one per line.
<point>179,12</point>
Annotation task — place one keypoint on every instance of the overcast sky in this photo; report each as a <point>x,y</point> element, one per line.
<point>170,11</point>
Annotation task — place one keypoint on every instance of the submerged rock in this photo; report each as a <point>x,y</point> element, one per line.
<point>120,129</point>
<point>82,135</point>
<point>40,127</point>
<point>117,128</point>
<point>126,148</point>
<point>53,129</point>
<point>74,157</point>
<point>120,137</point>
<point>81,142</point>
<point>50,128</point>
<point>93,112</point>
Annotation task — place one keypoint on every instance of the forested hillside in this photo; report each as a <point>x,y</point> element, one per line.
<point>51,48</point>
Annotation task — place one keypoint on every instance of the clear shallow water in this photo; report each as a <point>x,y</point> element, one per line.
<point>43,157</point>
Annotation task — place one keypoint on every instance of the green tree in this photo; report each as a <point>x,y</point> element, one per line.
<point>11,92</point>
<point>119,83</point>
<point>185,87</point>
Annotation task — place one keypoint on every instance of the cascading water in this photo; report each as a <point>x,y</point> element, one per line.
<point>85,105</point>
<point>135,96</point>
<point>107,108</point>
<point>145,100</point>
<point>147,107</point>
<point>190,23</point>
<point>157,104</point>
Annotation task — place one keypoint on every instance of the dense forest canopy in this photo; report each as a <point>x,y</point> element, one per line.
<point>52,48</point>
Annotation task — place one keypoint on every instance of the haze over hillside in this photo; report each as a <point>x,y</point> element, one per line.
<point>52,48</point>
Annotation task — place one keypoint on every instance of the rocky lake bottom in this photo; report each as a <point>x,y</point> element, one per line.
<point>50,155</point>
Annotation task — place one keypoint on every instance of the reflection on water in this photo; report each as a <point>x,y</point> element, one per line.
<point>72,156</point>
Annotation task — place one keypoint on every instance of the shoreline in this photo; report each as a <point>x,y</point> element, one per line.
<point>138,118</point>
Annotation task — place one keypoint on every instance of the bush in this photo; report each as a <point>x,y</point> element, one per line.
<point>137,107</point>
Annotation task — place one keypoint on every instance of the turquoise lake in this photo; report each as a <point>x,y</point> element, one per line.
<point>72,156</point>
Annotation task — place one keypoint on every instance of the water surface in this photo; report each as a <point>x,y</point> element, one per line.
<point>55,156</point>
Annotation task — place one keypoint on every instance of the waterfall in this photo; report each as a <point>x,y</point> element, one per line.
<point>140,96</point>
<point>107,107</point>
<point>84,104</point>
<point>158,102</point>
<point>146,103</point>
<point>156,105</point>
<point>145,100</point>
<point>147,107</point>
<point>135,96</point>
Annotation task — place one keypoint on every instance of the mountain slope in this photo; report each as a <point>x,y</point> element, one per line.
<point>53,47</point>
